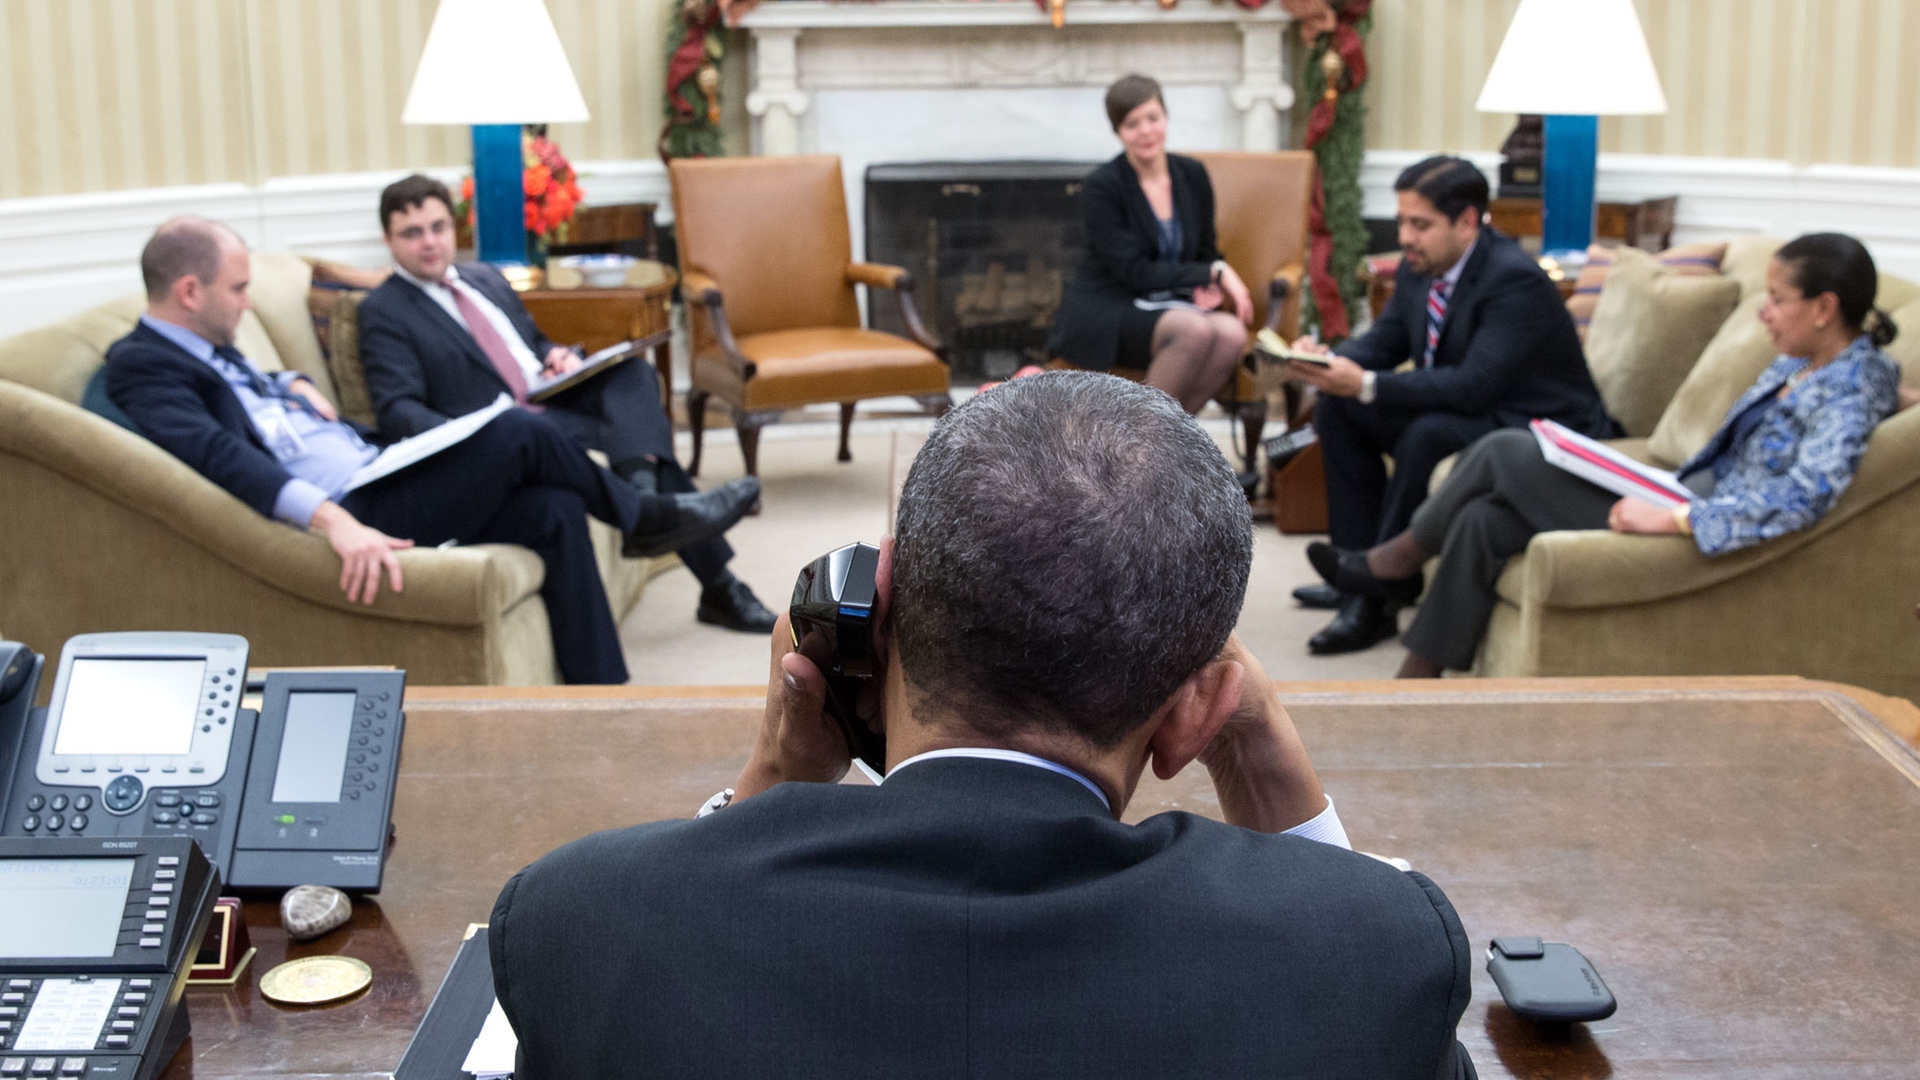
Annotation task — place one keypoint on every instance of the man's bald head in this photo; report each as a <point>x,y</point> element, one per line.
<point>184,245</point>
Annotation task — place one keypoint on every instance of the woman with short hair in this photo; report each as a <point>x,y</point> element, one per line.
<point>1151,290</point>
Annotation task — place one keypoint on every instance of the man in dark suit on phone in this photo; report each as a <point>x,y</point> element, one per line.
<point>1491,346</point>
<point>438,340</point>
<point>1044,630</point>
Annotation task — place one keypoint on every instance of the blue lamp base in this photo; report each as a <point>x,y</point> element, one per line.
<point>1572,152</point>
<point>499,198</point>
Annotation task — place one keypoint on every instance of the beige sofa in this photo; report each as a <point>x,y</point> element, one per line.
<point>1835,601</point>
<point>102,530</point>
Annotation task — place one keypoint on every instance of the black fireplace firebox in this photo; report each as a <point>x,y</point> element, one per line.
<point>989,245</point>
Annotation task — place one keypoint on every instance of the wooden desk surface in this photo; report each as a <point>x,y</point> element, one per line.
<point>1736,856</point>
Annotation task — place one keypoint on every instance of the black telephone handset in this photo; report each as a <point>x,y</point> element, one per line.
<point>831,619</point>
<point>19,679</point>
<point>146,735</point>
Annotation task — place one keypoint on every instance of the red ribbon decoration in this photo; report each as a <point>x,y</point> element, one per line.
<point>685,62</point>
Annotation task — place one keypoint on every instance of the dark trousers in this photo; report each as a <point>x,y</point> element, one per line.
<point>1364,504</point>
<point>618,412</point>
<point>518,480</point>
<point>1500,493</point>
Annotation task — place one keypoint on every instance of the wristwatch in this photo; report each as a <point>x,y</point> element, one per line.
<point>1367,387</point>
<point>720,799</point>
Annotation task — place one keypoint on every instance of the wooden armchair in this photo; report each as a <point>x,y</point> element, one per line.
<point>768,276</point>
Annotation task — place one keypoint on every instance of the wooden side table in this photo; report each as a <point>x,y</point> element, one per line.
<point>595,318</point>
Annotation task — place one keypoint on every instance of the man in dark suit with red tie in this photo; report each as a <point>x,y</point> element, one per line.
<point>1491,346</point>
<point>438,340</point>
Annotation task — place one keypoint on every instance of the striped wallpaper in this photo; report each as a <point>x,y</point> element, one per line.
<point>1808,81</point>
<point>103,95</point>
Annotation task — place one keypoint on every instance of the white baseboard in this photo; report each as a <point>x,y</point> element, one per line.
<point>1721,197</point>
<point>62,254</point>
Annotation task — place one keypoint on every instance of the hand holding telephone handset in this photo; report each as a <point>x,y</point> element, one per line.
<point>831,620</point>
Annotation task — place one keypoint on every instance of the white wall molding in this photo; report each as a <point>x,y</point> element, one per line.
<point>61,254</point>
<point>1721,197</point>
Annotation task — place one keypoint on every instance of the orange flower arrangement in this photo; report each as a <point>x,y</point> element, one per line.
<point>551,189</point>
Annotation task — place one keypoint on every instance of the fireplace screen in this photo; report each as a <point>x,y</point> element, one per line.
<point>989,245</point>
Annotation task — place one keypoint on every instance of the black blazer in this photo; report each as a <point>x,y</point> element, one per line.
<point>189,410</point>
<point>1507,350</point>
<point>422,367</point>
<point>1122,256</point>
<point>973,919</point>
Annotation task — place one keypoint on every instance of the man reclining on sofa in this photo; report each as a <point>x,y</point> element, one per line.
<point>277,444</point>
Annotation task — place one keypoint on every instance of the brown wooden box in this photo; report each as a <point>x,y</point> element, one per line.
<point>1300,493</point>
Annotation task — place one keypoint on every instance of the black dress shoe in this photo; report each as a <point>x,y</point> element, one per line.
<point>695,517</point>
<point>731,604</point>
<point>1347,571</point>
<point>1318,596</point>
<point>1363,622</point>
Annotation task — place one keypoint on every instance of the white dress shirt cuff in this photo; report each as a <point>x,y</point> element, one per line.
<point>297,501</point>
<point>1324,827</point>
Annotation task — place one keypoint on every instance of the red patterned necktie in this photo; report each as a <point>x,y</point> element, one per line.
<point>1436,315</point>
<point>491,343</point>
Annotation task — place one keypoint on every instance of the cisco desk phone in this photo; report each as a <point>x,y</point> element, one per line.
<point>145,734</point>
<point>96,936</point>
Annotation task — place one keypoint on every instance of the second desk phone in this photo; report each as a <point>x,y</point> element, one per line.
<point>145,735</point>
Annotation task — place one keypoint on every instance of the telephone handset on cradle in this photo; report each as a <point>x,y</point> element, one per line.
<point>833,603</point>
<point>96,937</point>
<point>145,735</point>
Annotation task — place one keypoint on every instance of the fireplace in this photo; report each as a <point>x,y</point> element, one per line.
<point>989,245</point>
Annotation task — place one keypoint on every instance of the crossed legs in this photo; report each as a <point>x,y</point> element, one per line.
<point>1193,353</point>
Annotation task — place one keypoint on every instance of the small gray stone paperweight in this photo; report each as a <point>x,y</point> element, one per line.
<point>307,911</point>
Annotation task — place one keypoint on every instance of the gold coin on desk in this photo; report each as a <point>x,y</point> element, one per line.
<point>316,979</point>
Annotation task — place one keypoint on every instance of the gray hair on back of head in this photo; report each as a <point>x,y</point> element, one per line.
<point>1069,549</point>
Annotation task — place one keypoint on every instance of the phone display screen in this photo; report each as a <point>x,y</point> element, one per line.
<point>313,753</point>
<point>130,707</point>
<point>62,907</point>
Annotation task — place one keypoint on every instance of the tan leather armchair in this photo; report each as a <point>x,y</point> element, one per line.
<point>1260,206</point>
<point>767,271</point>
<point>1261,203</point>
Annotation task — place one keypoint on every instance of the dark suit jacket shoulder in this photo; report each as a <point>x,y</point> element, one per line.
<point>187,408</point>
<point>1508,348</point>
<point>1121,260</point>
<point>973,919</point>
<point>422,366</point>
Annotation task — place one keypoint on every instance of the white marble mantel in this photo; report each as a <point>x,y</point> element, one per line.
<point>974,79</point>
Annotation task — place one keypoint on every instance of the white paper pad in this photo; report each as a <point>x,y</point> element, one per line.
<point>493,1049</point>
<point>67,1015</point>
<point>1601,464</point>
<point>426,444</point>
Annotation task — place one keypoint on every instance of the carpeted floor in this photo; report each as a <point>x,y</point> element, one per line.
<point>813,504</point>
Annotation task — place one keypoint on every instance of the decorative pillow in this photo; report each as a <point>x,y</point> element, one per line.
<point>343,358</point>
<point>1702,260</point>
<point>1650,327</point>
<point>95,400</point>
<point>329,280</point>
<point>1736,356</point>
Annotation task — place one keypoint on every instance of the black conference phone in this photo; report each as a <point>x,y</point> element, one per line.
<point>96,936</point>
<point>145,735</point>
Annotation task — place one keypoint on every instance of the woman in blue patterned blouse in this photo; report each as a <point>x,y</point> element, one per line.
<point>1784,453</point>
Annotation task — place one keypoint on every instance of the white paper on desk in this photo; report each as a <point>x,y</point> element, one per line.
<point>493,1049</point>
<point>1601,464</point>
<point>418,448</point>
<point>539,389</point>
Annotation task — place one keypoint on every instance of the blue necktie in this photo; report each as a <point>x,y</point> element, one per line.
<point>1436,316</point>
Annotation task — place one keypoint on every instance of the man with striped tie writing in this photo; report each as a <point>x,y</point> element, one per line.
<point>1486,343</point>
